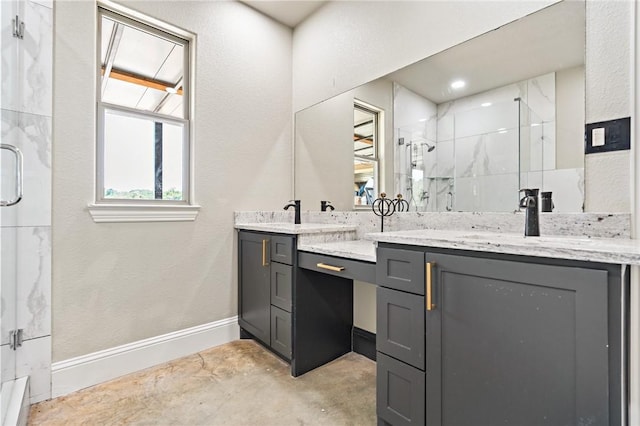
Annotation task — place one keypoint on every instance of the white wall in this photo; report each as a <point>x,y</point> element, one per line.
<point>569,119</point>
<point>346,44</point>
<point>324,146</point>
<point>609,95</point>
<point>118,283</point>
<point>324,154</point>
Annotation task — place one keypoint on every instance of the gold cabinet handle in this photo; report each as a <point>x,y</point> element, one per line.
<point>430,305</point>
<point>330,267</point>
<point>264,253</point>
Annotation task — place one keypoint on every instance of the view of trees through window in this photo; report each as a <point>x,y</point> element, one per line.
<point>143,112</point>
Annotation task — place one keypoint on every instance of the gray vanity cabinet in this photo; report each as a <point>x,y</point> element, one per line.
<point>506,341</point>
<point>254,290</point>
<point>265,264</point>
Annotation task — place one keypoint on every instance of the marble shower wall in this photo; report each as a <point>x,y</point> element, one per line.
<point>495,138</point>
<point>487,147</point>
<point>415,133</point>
<point>25,229</point>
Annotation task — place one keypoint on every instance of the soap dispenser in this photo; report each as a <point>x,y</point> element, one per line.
<point>530,203</point>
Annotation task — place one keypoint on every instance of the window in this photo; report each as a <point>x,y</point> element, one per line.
<point>365,153</point>
<point>143,111</point>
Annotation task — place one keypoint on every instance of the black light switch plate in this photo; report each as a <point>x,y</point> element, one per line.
<point>617,136</point>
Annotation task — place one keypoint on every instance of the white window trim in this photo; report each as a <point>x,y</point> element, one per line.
<point>149,210</point>
<point>376,159</point>
<point>115,213</point>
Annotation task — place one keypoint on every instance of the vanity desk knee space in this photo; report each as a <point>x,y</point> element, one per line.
<point>472,328</point>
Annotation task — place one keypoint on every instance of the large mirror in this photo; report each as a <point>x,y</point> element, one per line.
<point>462,130</point>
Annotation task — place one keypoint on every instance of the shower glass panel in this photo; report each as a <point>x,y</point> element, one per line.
<point>486,158</point>
<point>536,153</point>
<point>8,265</point>
<point>9,186</point>
<point>25,221</point>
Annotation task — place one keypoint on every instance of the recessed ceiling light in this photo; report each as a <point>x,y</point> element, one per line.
<point>422,120</point>
<point>486,104</point>
<point>171,90</point>
<point>458,84</point>
<point>535,124</point>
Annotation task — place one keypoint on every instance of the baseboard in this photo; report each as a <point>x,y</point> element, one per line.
<point>364,343</point>
<point>88,370</point>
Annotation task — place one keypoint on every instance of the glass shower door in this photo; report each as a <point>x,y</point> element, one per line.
<point>10,195</point>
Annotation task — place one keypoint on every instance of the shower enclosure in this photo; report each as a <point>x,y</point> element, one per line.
<point>474,159</point>
<point>25,206</point>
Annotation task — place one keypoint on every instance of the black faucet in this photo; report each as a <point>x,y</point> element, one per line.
<point>530,202</point>
<point>296,205</point>
<point>324,205</point>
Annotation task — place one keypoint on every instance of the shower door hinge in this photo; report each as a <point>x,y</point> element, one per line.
<point>18,28</point>
<point>15,339</point>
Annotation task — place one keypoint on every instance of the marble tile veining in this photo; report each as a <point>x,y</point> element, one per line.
<point>26,277</point>
<point>34,281</point>
<point>27,63</point>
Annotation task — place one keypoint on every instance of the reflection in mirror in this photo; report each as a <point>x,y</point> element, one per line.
<point>476,123</point>
<point>334,158</point>
<point>365,153</point>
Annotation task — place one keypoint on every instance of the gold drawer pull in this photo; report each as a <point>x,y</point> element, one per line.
<point>264,253</point>
<point>330,267</point>
<point>430,305</point>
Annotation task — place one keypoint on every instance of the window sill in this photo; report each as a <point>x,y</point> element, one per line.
<point>115,213</point>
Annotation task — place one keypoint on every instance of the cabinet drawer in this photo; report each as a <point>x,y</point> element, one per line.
<point>401,269</point>
<point>281,286</point>
<point>400,326</point>
<point>282,249</point>
<point>338,266</point>
<point>400,392</point>
<point>281,332</point>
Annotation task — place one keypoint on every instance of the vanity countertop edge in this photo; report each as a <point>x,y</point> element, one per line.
<point>620,251</point>
<point>295,229</point>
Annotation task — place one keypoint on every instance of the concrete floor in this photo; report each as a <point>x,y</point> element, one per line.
<point>239,383</point>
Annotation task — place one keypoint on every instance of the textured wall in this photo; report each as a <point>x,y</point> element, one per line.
<point>608,74</point>
<point>346,44</point>
<point>118,283</point>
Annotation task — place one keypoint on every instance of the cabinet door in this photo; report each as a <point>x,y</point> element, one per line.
<point>281,286</point>
<point>281,332</point>
<point>282,249</point>
<point>400,325</point>
<point>516,343</point>
<point>399,392</point>
<point>400,269</point>
<point>254,293</point>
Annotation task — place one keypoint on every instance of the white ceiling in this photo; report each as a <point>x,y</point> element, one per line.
<point>288,12</point>
<point>549,40</point>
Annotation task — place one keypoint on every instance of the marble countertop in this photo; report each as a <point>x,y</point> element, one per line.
<point>364,250</point>
<point>290,228</point>
<point>605,250</point>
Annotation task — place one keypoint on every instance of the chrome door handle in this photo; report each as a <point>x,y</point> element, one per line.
<point>18,155</point>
